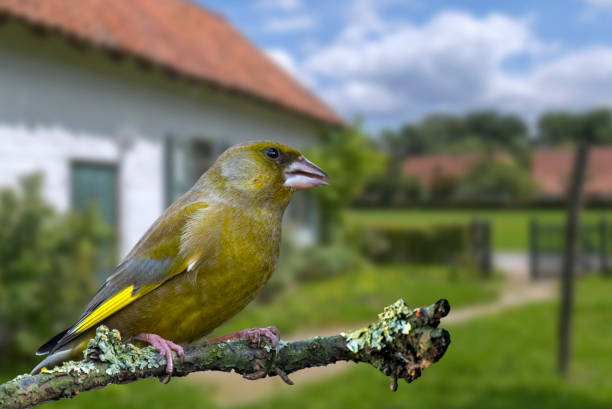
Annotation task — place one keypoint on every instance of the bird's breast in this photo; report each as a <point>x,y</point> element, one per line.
<point>231,276</point>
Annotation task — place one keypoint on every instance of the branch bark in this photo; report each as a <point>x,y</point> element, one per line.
<point>401,343</point>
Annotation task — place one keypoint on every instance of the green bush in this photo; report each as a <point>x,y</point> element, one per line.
<point>327,261</point>
<point>422,244</point>
<point>493,179</point>
<point>47,267</point>
<point>392,189</point>
<point>443,187</point>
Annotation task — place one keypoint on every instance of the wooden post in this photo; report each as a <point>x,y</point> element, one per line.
<point>487,256</point>
<point>533,249</point>
<point>568,269</point>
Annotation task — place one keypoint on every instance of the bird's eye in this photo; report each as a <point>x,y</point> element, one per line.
<point>272,153</point>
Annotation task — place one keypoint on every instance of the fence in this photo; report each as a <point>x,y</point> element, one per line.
<point>546,241</point>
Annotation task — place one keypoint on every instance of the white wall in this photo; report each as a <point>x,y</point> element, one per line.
<point>38,92</point>
<point>51,150</point>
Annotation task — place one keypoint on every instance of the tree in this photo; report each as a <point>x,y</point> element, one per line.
<point>558,128</point>
<point>500,132</point>
<point>494,179</point>
<point>47,266</point>
<point>479,131</point>
<point>352,160</point>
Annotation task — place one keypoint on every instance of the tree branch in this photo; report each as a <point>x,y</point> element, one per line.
<point>401,343</point>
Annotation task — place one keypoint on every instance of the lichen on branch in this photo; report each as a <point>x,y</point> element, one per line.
<point>401,343</point>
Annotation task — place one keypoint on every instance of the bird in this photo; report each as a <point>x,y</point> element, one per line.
<point>202,261</point>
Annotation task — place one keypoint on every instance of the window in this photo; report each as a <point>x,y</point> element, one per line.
<point>186,161</point>
<point>95,184</point>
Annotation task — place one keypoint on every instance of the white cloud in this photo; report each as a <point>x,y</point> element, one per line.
<point>283,58</point>
<point>393,71</point>
<point>446,63</point>
<point>600,3</point>
<point>577,80</point>
<point>289,23</point>
<point>286,61</point>
<point>361,96</point>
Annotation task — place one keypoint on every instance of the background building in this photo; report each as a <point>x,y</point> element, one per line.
<point>128,103</point>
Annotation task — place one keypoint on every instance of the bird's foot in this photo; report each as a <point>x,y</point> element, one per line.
<point>257,336</point>
<point>165,348</point>
<point>254,335</point>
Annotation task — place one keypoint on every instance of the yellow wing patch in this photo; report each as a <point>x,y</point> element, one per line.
<point>121,299</point>
<point>109,307</point>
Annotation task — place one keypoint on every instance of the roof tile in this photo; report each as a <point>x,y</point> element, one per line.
<point>178,35</point>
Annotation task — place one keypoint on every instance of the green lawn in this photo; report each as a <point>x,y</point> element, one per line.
<point>510,227</point>
<point>502,361</point>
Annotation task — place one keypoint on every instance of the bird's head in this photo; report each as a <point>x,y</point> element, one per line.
<point>265,171</point>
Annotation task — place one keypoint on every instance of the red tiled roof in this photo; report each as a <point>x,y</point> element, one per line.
<point>551,170</point>
<point>177,35</point>
<point>427,167</point>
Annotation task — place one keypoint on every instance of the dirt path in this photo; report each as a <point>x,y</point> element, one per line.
<point>230,389</point>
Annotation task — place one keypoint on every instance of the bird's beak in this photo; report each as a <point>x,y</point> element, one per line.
<point>303,174</point>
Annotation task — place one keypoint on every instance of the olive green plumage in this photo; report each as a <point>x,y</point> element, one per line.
<point>204,258</point>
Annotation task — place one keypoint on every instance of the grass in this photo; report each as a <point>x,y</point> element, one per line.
<point>502,361</point>
<point>510,227</point>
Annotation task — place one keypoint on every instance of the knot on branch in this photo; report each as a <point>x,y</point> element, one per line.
<point>402,342</point>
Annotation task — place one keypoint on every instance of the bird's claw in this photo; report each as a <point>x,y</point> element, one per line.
<point>165,348</point>
<point>256,335</point>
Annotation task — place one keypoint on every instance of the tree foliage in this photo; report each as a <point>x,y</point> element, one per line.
<point>47,266</point>
<point>496,180</point>
<point>563,128</point>
<point>481,131</point>
<point>350,157</point>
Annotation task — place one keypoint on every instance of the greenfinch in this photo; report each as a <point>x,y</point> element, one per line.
<point>202,261</point>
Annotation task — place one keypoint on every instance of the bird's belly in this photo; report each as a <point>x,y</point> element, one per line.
<point>191,305</point>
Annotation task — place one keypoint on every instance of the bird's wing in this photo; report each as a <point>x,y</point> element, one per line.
<point>155,259</point>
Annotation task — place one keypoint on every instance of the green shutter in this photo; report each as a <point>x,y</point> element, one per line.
<point>94,183</point>
<point>179,174</point>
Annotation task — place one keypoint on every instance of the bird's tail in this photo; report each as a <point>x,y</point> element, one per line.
<point>53,359</point>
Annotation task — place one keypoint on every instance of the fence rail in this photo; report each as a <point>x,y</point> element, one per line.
<point>546,242</point>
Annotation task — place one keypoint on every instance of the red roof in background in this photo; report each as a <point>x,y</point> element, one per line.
<point>177,35</point>
<point>551,169</point>
<point>427,167</point>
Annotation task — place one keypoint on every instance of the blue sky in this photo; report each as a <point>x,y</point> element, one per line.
<point>394,61</point>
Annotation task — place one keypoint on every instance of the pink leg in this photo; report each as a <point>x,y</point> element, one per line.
<point>164,347</point>
<point>254,335</point>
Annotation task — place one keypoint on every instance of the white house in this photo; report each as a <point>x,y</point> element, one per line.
<point>128,102</point>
